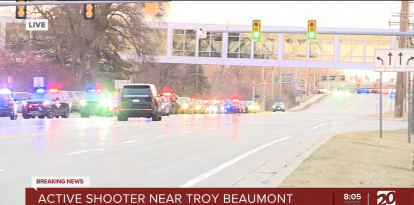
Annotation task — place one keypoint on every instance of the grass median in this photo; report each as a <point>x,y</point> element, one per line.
<point>389,115</point>
<point>358,159</point>
<point>310,104</point>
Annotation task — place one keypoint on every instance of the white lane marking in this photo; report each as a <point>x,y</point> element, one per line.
<point>188,132</point>
<point>99,150</point>
<point>316,127</point>
<point>131,141</point>
<point>2,170</point>
<point>348,117</point>
<point>163,136</point>
<point>78,152</point>
<point>225,165</point>
<point>323,103</point>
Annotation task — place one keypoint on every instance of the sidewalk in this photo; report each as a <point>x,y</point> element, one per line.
<point>308,103</point>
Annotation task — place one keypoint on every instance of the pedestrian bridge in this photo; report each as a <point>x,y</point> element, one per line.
<point>180,45</point>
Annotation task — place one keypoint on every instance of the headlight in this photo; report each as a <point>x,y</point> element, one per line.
<point>46,103</point>
<point>185,106</point>
<point>104,102</point>
<point>24,103</point>
<point>83,102</point>
<point>162,106</point>
<point>273,106</point>
<point>197,107</point>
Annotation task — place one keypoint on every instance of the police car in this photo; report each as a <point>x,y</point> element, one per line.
<point>97,102</point>
<point>46,103</point>
<point>8,107</point>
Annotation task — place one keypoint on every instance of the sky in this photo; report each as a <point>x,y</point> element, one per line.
<point>337,14</point>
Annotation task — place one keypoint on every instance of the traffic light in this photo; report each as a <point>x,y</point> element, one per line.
<point>392,79</point>
<point>311,29</point>
<point>256,29</point>
<point>151,8</point>
<point>21,10</point>
<point>358,84</point>
<point>317,84</point>
<point>265,96</point>
<point>375,84</point>
<point>89,11</point>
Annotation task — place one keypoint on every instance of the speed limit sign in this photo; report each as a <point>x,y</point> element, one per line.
<point>10,79</point>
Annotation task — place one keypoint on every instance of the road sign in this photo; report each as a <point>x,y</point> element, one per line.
<point>392,95</point>
<point>201,32</point>
<point>38,82</point>
<point>10,80</point>
<point>394,60</point>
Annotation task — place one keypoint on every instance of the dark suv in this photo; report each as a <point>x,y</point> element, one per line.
<point>139,100</point>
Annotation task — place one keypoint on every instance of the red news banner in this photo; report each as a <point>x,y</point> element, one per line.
<point>293,196</point>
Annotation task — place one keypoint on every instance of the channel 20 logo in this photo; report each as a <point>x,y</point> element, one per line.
<point>386,198</point>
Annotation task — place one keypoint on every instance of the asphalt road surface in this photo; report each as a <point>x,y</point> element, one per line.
<point>245,150</point>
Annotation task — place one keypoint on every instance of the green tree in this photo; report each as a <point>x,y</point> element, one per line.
<point>94,47</point>
<point>197,83</point>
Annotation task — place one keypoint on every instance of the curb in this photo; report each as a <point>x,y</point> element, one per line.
<point>390,119</point>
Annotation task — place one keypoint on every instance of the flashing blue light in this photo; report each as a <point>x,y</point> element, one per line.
<point>91,90</point>
<point>40,90</point>
<point>228,106</point>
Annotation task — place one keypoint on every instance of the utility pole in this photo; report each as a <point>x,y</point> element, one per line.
<point>273,86</point>
<point>401,76</point>
<point>308,79</point>
<point>263,91</point>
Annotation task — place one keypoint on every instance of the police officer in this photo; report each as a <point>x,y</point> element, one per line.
<point>174,104</point>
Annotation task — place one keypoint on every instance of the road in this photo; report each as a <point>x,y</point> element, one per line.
<point>181,151</point>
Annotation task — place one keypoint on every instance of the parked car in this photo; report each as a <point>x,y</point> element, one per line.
<point>76,97</point>
<point>19,97</point>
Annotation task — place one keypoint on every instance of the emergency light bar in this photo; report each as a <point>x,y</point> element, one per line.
<point>166,94</point>
<point>93,90</point>
<point>235,100</point>
<point>53,90</point>
<point>40,90</point>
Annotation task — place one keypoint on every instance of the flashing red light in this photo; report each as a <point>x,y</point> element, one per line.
<point>30,106</point>
<point>265,96</point>
<point>53,90</point>
<point>166,94</point>
<point>236,100</point>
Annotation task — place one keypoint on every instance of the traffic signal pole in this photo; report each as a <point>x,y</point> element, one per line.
<point>380,104</point>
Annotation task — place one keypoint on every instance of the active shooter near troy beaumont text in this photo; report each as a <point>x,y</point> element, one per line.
<point>166,198</point>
